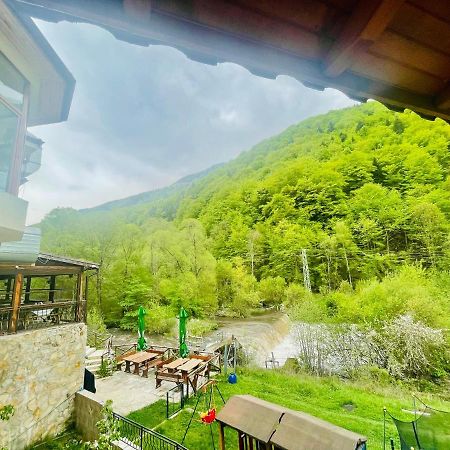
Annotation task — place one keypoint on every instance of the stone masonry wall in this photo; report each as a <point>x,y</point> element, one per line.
<point>88,411</point>
<point>40,372</point>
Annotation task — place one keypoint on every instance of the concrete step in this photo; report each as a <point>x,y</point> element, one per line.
<point>89,350</point>
<point>96,354</point>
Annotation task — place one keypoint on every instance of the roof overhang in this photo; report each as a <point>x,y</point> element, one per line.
<point>394,51</point>
<point>51,83</point>
<point>283,427</point>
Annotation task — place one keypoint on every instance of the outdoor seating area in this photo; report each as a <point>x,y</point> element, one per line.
<point>167,366</point>
<point>189,371</point>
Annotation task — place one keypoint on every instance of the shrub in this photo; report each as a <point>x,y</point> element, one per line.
<point>95,321</point>
<point>272,291</point>
<point>160,319</point>
<point>409,348</point>
<point>200,327</point>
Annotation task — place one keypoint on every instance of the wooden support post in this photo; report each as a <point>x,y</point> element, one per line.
<point>79,308</point>
<point>18,283</point>
<point>27,289</point>
<point>221,436</point>
<point>52,285</point>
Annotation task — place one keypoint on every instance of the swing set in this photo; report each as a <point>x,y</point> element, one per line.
<point>208,415</point>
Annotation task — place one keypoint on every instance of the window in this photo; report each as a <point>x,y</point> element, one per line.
<point>8,131</point>
<point>12,106</point>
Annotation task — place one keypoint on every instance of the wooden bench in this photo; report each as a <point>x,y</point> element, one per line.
<point>156,363</point>
<point>120,361</point>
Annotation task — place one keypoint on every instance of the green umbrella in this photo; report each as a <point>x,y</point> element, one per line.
<point>141,343</point>
<point>184,351</point>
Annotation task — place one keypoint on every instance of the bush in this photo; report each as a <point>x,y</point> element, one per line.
<point>200,327</point>
<point>410,349</point>
<point>95,321</point>
<point>272,291</point>
<point>160,319</point>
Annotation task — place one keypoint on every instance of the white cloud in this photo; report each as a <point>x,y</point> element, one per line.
<point>143,117</point>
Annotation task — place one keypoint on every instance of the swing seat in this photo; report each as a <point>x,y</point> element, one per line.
<point>208,417</point>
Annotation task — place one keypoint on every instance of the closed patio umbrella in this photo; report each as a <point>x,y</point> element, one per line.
<point>141,343</point>
<point>184,351</point>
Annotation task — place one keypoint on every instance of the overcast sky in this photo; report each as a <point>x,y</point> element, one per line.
<point>143,117</point>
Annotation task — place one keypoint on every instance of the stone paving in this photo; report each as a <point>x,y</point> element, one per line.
<point>130,392</point>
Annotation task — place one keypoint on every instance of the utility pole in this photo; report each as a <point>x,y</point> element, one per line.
<point>306,279</point>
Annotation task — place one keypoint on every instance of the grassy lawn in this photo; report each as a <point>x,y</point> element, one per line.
<point>357,407</point>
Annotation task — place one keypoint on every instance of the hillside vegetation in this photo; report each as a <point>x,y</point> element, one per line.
<point>364,191</point>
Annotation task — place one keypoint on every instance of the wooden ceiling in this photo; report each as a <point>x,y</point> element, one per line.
<point>394,51</point>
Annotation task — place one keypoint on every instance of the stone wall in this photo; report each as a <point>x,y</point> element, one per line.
<point>87,413</point>
<point>40,372</point>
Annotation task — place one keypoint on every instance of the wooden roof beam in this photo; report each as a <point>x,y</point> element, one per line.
<point>137,9</point>
<point>443,98</point>
<point>367,22</point>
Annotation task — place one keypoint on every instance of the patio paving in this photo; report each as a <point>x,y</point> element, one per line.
<point>130,392</point>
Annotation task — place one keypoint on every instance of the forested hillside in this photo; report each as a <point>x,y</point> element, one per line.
<point>364,191</point>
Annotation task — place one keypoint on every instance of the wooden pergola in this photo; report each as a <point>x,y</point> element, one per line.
<point>50,292</point>
<point>394,51</point>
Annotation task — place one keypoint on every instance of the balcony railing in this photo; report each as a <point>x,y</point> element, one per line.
<point>40,315</point>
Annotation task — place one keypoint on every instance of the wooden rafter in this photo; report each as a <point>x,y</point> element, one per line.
<point>443,98</point>
<point>367,22</point>
<point>137,9</point>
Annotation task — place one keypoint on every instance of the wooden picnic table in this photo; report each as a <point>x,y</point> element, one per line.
<point>172,367</point>
<point>137,359</point>
<point>189,365</point>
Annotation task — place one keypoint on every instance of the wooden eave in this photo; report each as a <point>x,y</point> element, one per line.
<point>394,51</point>
<point>51,83</point>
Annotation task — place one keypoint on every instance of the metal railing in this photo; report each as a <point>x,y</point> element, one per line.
<point>142,438</point>
<point>175,399</point>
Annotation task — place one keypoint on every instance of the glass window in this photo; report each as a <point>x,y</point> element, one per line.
<point>12,84</point>
<point>8,131</point>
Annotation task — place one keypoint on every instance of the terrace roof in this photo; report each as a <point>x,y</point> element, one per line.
<point>283,427</point>
<point>394,51</point>
<point>48,264</point>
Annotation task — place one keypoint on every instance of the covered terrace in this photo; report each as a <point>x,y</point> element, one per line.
<point>51,291</point>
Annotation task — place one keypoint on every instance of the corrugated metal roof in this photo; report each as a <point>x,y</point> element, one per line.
<point>23,251</point>
<point>54,260</point>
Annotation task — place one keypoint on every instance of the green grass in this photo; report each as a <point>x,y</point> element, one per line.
<point>322,397</point>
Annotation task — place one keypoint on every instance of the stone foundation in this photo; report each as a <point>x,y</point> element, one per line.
<point>40,372</point>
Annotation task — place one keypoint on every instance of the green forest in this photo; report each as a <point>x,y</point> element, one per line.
<point>363,193</point>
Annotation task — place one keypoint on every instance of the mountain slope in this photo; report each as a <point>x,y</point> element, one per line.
<point>363,189</point>
<point>155,195</point>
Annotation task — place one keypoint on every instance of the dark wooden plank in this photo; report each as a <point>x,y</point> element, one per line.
<point>308,14</point>
<point>396,74</point>
<point>437,8</point>
<point>366,23</point>
<point>240,21</point>
<point>410,53</point>
<point>414,23</point>
<point>443,98</point>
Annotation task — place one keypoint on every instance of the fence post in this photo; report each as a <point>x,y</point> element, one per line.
<point>142,437</point>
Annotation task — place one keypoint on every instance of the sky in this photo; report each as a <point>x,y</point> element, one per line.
<point>143,117</point>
